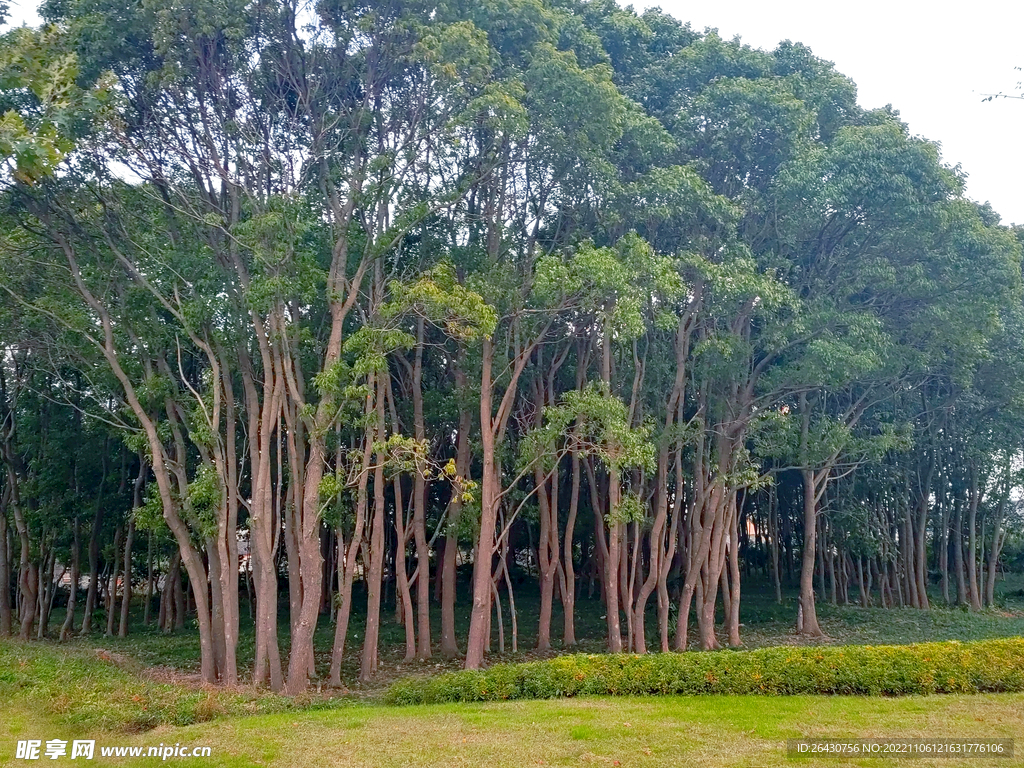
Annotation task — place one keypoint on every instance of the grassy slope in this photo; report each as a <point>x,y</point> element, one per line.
<point>50,692</point>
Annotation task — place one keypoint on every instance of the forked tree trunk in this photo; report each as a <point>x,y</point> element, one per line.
<point>348,556</point>
<point>403,603</point>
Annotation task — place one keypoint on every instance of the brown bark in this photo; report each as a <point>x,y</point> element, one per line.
<point>6,617</point>
<point>264,444</point>
<point>482,581</point>
<point>569,586</point>
<point>808,619</point>
<point>419,520</point>
<point>112,582</point>
<point>492,434</point>
<point>449,643</point>
<point>94,551</point>
<point>126,588</point>
<point>150,578</point>
<point>972,540</point>
<point>348,555</point>
<point>403,602</point>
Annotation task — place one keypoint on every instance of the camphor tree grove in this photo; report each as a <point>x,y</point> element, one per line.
<point>372,288</point>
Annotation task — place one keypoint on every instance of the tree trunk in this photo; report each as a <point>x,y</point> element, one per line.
<point>403,604</point>
<point>147,608</point>
<point>6,618</point>
<point>126,589</point>
<point>569,586</point>
<point>449,644</point>
<point>348,556</point>
<point>419,520</point>
<point>68,627</point>
<point>112,607</point>
<point>368,663</point>
<point>94,555</point>
<point>972,542</point>
<point>484,550</point>
<point>809,617</point>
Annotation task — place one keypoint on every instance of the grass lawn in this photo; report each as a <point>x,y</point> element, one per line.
<point>670,731</point>
<point>48,692</point>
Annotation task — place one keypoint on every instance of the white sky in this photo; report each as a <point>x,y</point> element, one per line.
<point>932,62</point>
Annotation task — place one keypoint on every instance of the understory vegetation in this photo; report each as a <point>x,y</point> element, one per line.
<point>886,670</point>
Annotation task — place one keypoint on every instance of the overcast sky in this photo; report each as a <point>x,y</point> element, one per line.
<point>932,62</point>
<point>932,65</point>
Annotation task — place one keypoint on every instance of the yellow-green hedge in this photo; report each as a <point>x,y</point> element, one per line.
<point>873,670</point>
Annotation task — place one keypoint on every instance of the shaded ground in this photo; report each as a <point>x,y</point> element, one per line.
<point>765,623</point>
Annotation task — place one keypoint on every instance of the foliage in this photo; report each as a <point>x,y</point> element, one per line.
<point>926,668</point>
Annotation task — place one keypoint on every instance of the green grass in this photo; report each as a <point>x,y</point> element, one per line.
<point>765,624</point>
<point>48,691</point>
<point>86,690</point>
<point>670,731</point>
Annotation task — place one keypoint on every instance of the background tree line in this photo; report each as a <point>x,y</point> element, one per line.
<point>369,289</point>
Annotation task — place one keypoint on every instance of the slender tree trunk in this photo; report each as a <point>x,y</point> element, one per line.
<point>147,608</point>
<point>348,556</point>
<point>958,556</point>
<point>944,552</point>
<point>126,589</point>
<point>368,663</point>
<point>972,541</point>
<point>449,644</point>
<point>6,618</point>
<point>921,552</point>
<point>178,595</point>
<point>809,617</point>
<point>773,534</point>
<point>484,551</point>
<point>734,573</point>
<point>569,588</point>
<point>419,521</point>
<point>94,555</point>
<point>264,445</point>
<point>112,607</point>
<point>403,604</point>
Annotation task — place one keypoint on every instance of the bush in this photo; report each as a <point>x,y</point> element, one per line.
<point>882,670</point>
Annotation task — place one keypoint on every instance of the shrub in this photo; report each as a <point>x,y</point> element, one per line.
<point>893,670</point>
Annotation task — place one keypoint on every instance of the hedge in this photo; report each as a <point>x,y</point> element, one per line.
<point>870,670</point>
